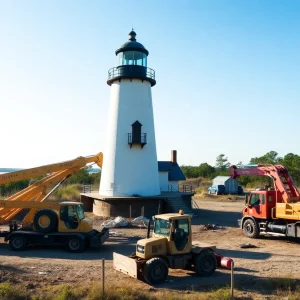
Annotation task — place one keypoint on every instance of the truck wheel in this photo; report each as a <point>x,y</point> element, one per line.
<point>250,229</point>
<point>45,221</point>
<point>156,271</point>
<point>76,244</point>
<point>18,242</point>
<point>205,264</point>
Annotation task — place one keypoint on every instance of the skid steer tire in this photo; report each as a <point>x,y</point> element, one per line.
<point>76,244</point>
<point>45,221</point>
<point>18,242</point>
<point>155,271</point>
<point>250,228</point>
<point>205,264</point>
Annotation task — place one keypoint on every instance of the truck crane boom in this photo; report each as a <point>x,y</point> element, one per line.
<point>47,169</point>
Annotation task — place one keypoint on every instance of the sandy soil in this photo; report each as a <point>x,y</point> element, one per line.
<point>273,257</point>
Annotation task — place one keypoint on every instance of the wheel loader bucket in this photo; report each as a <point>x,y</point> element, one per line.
<point>125,264</point>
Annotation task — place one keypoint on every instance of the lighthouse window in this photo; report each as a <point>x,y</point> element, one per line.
<point>132,58</point>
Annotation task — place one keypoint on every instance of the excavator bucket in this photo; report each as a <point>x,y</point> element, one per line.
<point>125,264</point>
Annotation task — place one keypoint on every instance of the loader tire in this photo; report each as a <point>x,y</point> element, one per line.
<point>45,221</point>
<point>205,264</point>
<point>18,242</point>
<point>250,228</point>
<point>155,271</point>
<point>76,244</point>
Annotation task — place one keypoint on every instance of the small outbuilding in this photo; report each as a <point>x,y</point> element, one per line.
<point>170,174</point>
<point>231,185</point>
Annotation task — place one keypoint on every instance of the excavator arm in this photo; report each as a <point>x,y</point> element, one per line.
<point>283,183</point>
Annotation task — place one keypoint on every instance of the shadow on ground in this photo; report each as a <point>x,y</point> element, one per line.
<point>242,282</point>
<point>122,245</point>
<point>222,218</point>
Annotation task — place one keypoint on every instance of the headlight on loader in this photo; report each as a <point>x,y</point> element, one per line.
<point>140,249</point>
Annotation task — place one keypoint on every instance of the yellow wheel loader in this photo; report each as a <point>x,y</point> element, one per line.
<point>170,246</point>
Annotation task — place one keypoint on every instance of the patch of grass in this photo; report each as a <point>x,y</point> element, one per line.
<point>9,292</point>
<point>67,193</point>
<point>220,294</point>
<point>94,292</point>
<point>284,284</point>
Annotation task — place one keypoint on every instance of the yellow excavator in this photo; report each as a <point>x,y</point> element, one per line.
<point>49,222</point>
<point>170,246</point>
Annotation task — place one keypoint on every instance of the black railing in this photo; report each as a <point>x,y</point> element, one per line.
<point>136,140</point>
<point>131,71</point>
<point>186,188</point>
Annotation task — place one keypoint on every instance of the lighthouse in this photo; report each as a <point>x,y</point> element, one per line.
<point>130,166</point>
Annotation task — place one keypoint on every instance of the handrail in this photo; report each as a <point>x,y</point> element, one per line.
<point>133,69</point>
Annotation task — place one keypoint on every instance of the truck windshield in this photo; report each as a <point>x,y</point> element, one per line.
<point>162,227</point>
<point>80,212</point>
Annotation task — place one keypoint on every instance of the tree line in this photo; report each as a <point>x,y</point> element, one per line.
<point>291,161</point>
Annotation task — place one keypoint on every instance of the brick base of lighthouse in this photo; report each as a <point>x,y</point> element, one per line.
<point>132,207</point>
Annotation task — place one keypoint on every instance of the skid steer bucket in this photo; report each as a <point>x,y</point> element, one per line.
<point>126,265</point>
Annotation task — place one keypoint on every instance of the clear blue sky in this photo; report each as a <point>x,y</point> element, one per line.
<point>227,72</point>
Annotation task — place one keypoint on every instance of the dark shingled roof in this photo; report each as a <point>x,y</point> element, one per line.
<point>174,170</point>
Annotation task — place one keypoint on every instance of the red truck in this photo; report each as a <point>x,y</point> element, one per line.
<point>272,210</point>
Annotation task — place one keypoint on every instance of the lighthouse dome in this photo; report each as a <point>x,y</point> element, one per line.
<point>132,63</point>
<point>132,45</point>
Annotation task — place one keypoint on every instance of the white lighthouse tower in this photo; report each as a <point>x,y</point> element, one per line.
<point>130,165</point>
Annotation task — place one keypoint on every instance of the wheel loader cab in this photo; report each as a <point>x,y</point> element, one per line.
<point>171,235</point>
<point>72,218</point>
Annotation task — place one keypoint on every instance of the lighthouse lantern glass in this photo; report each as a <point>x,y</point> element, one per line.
<point>132,58</point>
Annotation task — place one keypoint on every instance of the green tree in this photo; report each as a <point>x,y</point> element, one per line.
<point>81,177</point>
<point>190,171</point>
<point>292,163</point>
<point>206,170</point>
<point>222,163</point>
<point>269,158</point>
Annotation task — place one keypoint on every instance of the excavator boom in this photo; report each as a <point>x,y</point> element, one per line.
<point>47,169</point>
<point>283,183</point>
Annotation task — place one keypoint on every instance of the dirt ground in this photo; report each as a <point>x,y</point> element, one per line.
<point>273,257</point>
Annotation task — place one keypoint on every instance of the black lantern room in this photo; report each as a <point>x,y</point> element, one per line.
<point>132,62</point>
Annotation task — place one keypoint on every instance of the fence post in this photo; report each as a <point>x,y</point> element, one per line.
<point>130,213</point>
<point>142,211</point>
<point>103,267</point>
<point>232,280</point>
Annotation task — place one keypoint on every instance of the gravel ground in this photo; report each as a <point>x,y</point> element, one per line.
<point>272,257</point>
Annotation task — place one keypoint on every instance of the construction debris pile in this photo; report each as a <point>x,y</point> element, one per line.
<point>212,227</point>
<point>120,222</point>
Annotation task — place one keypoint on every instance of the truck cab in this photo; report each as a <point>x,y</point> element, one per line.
<point>259,203</point>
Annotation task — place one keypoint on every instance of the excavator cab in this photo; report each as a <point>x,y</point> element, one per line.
<point>69,215</point>
<point>72,218</point>
<point>171,235</point>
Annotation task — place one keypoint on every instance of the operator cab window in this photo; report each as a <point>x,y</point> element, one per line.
<point>255,199</point>
<point>162,227</point>
<point>183,225</point>
<point>181,233</point>
<point>69,216</point>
